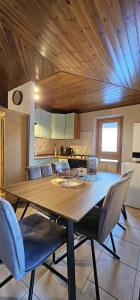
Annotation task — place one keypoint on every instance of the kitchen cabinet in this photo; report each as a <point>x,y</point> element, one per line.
<point>44,161</point>
<point>69,126</point>
<point>72,126</point>
<point>43,120</point>
<point>58,126</point>
<point>65,126</point>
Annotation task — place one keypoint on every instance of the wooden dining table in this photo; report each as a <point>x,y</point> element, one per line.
<point>71,203</point>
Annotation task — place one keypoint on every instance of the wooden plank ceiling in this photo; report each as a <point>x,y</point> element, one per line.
<point>68,92</point>
<point>95,45</point>
<point>20,61</point>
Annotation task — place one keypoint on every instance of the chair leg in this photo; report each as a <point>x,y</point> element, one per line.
<point>124,212</point>
<point>112,241</point>
<point>119,224</point>
<point>5,281</point>
<point>55,272</point>
<point>110,251</point>
<point>24,212</point>
<point>53,257</point>
<point>95,271</point>
<point>65,254</point>
<point>31,285</point>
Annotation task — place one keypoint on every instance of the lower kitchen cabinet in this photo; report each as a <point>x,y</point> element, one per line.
<point>44,161</point>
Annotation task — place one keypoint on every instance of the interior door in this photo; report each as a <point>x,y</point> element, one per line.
<point>1,149</point>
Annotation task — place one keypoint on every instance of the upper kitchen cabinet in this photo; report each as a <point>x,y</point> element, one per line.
<point>58,126</point>
<point>72,126</point>
<point>43,124</point>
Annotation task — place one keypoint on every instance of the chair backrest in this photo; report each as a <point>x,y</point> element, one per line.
<point>128,174</point>
<point>111,209</point>
<point>65,166</point>
<point>91,164</point>
<point>46,170</point>
<point>61,167</point>
<point>33,172</point>
<point>57,167</point>
<point>11,242</point>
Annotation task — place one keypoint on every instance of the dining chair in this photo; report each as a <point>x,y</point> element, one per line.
<point>37,172</point>
<point>99,223</point>
<point>123,210</point>
<point>91,164</point>
<point>33,172</point>
<point>130,174</point>
<point>65,166</point>
<point>57,167</point>
<point>27,244</point>
<point>61,167</point>
<point>46,170</point>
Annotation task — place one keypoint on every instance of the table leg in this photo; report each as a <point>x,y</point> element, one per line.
<point>71,261</point>
<point>16,205</point>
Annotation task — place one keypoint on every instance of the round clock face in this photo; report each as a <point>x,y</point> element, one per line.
<point>17,97</point>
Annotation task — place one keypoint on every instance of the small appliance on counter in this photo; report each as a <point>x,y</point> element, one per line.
<point>69,151</point>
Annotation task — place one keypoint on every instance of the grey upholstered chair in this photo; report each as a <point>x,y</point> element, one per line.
<point>123,210</point>
<point>27,244</point>
<point>33,172</point>
<point>57,167</point>
<point>100,221</point>
<point>130,174</point>
<point>61,167</point>
<point>65,166</point>
<point>36,172</point>
<point>91,164</point>
<point>46,170</point>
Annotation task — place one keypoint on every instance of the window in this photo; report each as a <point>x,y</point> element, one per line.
<point>109,138</point>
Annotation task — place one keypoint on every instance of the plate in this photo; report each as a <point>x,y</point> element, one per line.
<point>71,183</point>
<point>67,183</point>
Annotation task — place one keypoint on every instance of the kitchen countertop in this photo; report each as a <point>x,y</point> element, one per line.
<point>47,156</point>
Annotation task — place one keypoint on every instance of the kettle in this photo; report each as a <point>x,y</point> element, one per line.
<point>69,151</point>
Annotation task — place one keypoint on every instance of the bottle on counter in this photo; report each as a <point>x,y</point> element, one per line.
<point>35,149</point>
<point>61,150</point>
<point>55,150</point>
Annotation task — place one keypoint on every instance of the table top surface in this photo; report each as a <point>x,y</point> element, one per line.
<point>70,203</point>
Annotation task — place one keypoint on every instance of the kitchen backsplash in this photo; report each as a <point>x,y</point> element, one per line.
<point>84,145</point>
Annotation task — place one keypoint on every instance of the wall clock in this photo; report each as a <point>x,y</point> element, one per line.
<point>17,97</point>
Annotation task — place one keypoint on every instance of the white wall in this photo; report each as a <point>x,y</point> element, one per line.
<point>87,142</point>
<point>131,115</point>
<point>27,107</point>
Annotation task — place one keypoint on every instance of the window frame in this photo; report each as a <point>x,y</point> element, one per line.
<point>109,155</point>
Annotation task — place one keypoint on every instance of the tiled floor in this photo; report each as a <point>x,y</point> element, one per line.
<point>117,279</point>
